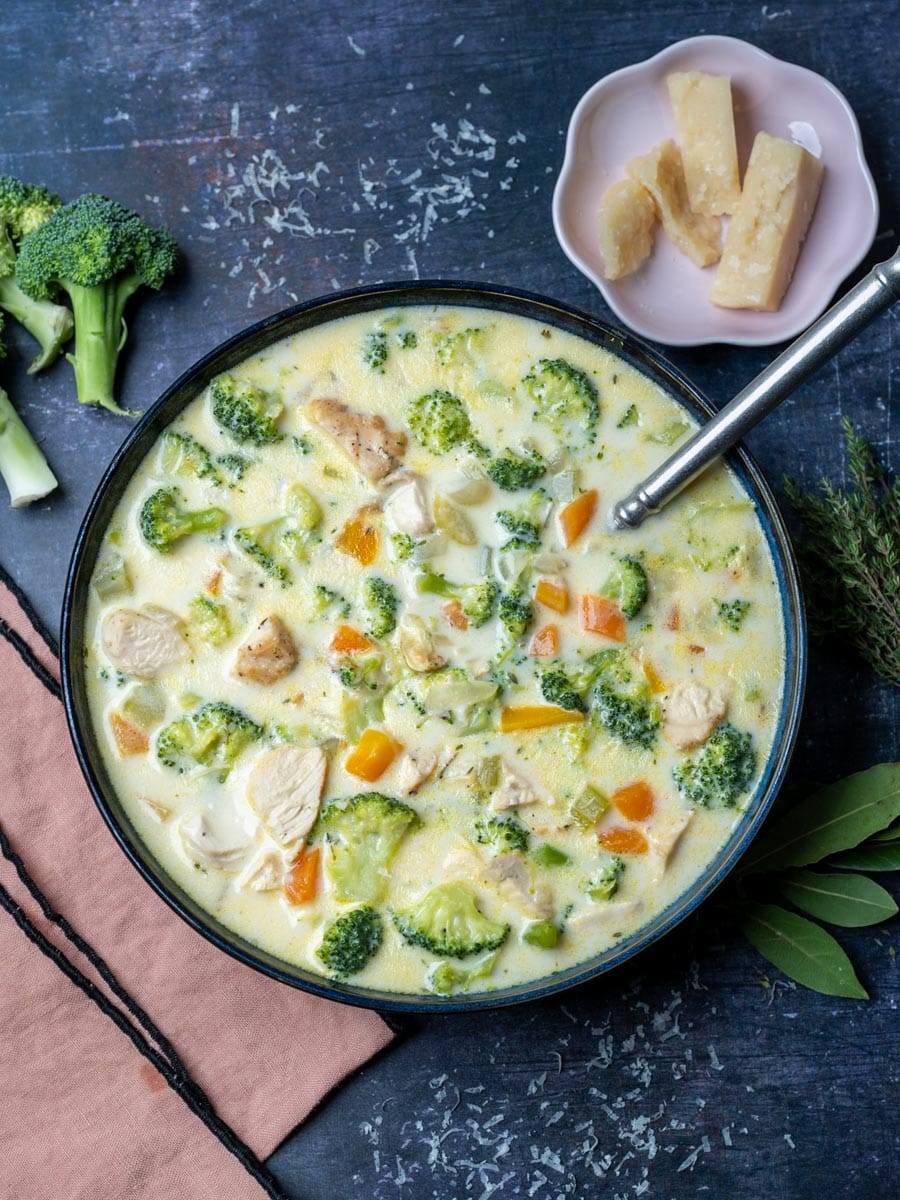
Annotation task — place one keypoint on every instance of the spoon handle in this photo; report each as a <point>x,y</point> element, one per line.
<point>839,325</point>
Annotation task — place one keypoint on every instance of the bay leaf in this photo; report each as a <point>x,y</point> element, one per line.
<point>873,856</point>
<point>850,901</point>
<point>891,834</point>
<point>837,818</point>
<point>802,950</point>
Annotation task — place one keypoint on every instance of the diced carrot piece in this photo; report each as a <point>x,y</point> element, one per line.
<point>657,683</point>
<point>599,615</point>
<point>673,618</point>
<point>552,593</point>
<point>302,880</point>
<point>621,840</point>
<point>634,801</point>
<point>360,538</point>
<point>545,643</point>
<point>574,518</point>
<point>214,583</point>
<point>129,738</point>
<point>453,614</point>
<point>348,640</point>
<point>372,755</point>
<point>695,649</point>
<point>536,716</point>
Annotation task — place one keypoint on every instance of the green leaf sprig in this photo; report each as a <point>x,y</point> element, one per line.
<point>851,558</point>
<point>853,825</point>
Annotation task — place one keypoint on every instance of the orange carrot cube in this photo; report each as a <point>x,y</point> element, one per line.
<point>372,755</point>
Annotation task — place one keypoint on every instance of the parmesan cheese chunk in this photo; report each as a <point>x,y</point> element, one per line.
<point>781,188</point>
<point>704,119</point>
<point>627,216</point>
<point>662,175</point>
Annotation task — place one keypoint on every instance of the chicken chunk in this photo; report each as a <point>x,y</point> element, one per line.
<point>691,711</point>
<point>508,874</point>
<point>608,916</point>
<point>143,643</point>
<point>414,767</point>
<point>512,791</point>
<point>264,873</point>
<point>364,438</point>
<point>284,790</point>
<point>209,846</point>
<point>417,646</point>
<point>664,834</point>
<point>407,509</point>
<point>268,654</point>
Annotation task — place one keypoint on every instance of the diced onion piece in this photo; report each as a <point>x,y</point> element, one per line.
<point>635,802</point>
<point>574,518</point>
<point>536,716</point>
<point>599,615</point>
<point>372,755</point>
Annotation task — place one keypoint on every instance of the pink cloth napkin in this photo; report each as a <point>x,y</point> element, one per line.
<point>83,1112</point>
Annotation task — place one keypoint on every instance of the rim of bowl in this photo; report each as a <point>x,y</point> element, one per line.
<point>285,323</point>
<point>609,293</point>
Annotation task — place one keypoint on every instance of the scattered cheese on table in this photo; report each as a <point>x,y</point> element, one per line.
<point>662,175</point>
<point>781,187</point>
<point>704,120</point>
<point>627,217</point>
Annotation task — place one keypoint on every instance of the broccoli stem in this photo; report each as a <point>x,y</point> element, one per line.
<point>22,464</point>
<point>48,323</point>
<point>100,334</point>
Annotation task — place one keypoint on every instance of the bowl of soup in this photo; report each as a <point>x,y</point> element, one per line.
<point>369,691</point>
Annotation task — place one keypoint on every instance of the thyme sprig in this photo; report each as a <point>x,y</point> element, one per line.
<point>851,558</point>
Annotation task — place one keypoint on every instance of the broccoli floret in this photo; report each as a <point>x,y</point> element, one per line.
<point>351,941</point>
<point>565,399</point>
<point>375,350</point>
<point>407,339</point>
<point>213,736</point>
<point>447,921</point>
<point>328,603</point>
<point>275,545</point>
<point>404,545</point>
<point>502,834</point>
<point>302,444</point>
<point>439,420</point>
<point>25,471</point>
<point>99,253</point>
<point>525,523</point>
<point>514,472</point>
<point>181,454</point>
<point>163,522</point>
<point>516,614</point>
<point>627,585</point>
<point>733,613</point>
<point>605,882</point>
<point>720,771</point>
<point>557,688</point>
<point>24,207</point>
<point>245,412</point>
<point>455,349</point>
<point>543,934</point>
<point>621,701</point>
<point>629,417</point>
<point>233,468</point>
<point>210,621</point>
<point>446,977</point>
<point>381,602</point>
<point>478,600</point>
<point>362,835</point>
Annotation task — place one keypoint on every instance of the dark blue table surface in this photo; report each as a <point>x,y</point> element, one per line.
<point>299,148</point>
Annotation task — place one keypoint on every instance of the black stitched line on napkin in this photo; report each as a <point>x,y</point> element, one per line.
<point>165,1058</point>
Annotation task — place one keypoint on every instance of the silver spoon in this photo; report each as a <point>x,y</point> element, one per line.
<point>839,325</point>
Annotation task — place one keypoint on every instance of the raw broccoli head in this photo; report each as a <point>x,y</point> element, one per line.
<point>213,736</point>
<point>163,522</point>
<point>244,411</point>
<point>99,253</point>
<point>524,524</point>
<point>720,771</point>
<point>351,941</point>
<point>381,602</point>
<point>565,399</point>
<point>25,206</point>
<point>502,834</point>
<point>447,921</point>
<point>621,701</point>
<point>627,585</point>
<point>276,545</point>
<point>361,837</point>
<point>513,472</point>
<point>439,420</point>
<point>23,467</point>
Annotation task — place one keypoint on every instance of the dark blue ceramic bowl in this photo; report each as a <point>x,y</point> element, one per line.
<point>250,342</point>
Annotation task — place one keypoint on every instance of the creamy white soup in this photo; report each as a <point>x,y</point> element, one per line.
<point>379,688</point>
